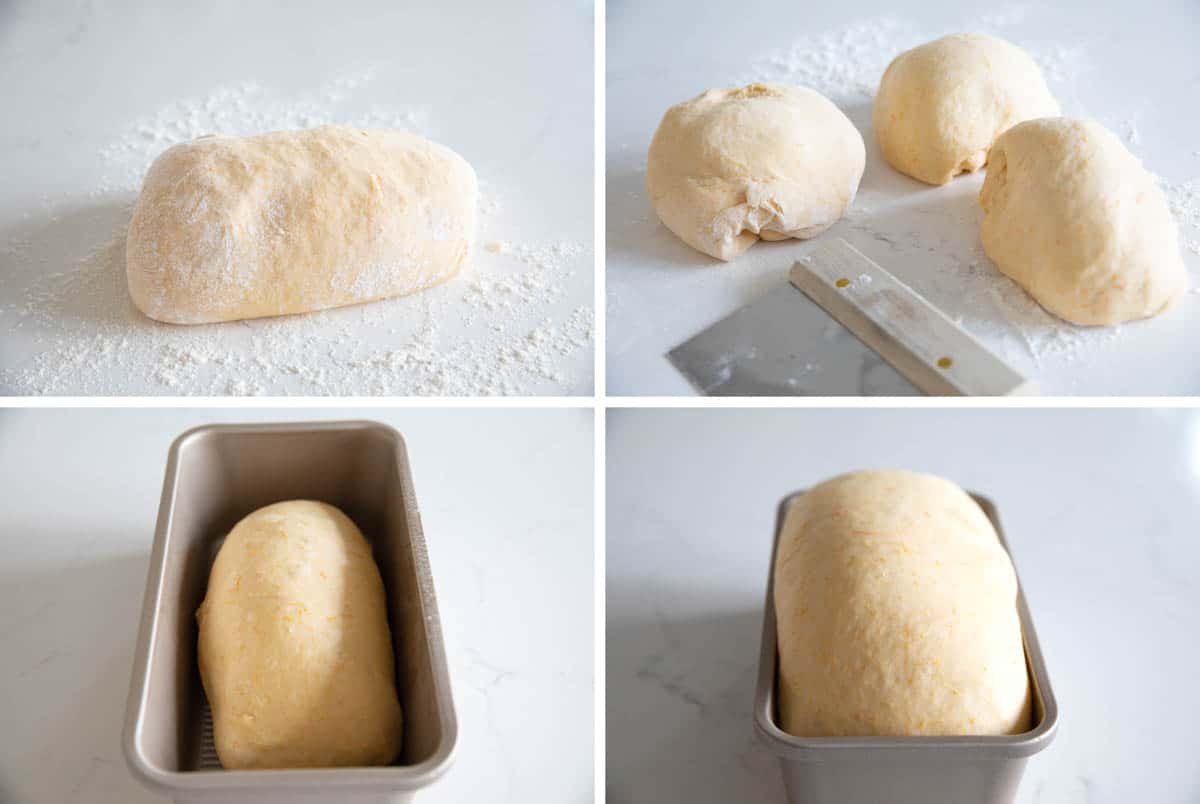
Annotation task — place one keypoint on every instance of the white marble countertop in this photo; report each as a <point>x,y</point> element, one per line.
<point>1134,72</point>
<point>92,92</point>
<point>508,522</point>
<point>1101,509</point>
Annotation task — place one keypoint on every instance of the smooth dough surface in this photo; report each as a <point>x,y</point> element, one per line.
<point>763,161</point>
<point>228,228</point>
<point>942,104</point>
<point>295,652</point>
<point>896,613</point>
<point>1075,219</point>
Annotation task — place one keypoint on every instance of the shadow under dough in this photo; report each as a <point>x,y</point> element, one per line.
<point>74,265</point>
<point>635,233</point>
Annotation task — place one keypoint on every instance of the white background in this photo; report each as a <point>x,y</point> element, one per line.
<point>1100,507</point>
<point>1133,68</point>
<point>506,505</point>
<point>506,85</point>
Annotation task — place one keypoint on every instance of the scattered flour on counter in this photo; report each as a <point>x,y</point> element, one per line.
<point>1004,18</point>
<point>843,64</point>
<point>1059,63</point>
<point>538,280</point>
<point>513,346</point>
<point>507,325</point>
<point>1129,128</point>
<point>1184,200</point>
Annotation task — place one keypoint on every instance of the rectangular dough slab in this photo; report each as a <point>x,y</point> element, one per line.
<point>230,228</point>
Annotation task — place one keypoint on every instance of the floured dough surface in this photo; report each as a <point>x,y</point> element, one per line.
<point>896,613</point>
<point>767,161</point>
<point>942,104</point>
<point>231,228</point>
<point>1073,217</point>
<point>295,652</point>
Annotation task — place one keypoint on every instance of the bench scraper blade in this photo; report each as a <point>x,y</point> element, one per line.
<point>843,325</point>
<point>783,344</point>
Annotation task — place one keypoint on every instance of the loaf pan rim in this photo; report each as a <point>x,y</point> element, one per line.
<point>997,747</point>
<point>404,778</point>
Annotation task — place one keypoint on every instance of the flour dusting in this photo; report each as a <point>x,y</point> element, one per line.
<point>511,323</point>
<point>1184,201</point>
<point>844,64</point>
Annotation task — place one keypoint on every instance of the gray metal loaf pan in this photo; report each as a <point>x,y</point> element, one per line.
<point>901,770</point>
<point>215,476</point>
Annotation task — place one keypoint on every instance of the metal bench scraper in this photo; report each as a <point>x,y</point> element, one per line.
<point>844,326</point>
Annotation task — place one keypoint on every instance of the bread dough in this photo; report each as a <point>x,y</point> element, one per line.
<point>1075,219</point>
<point>294,221</point>
<point>940,105</point>
<point>765,160</point>
<point>896,613</point>
<point>295,652</point>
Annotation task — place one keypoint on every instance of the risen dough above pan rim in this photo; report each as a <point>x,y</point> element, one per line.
<point>896,613</point>
<point>288,222</point>
<point>295,652</point>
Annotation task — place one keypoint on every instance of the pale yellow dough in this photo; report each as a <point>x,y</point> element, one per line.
<point>1074,218</point>
<point>229,228</point>
<point>940,105</point>
<point>295,652</point>
<point>896,612</point>
<point>766,161</point>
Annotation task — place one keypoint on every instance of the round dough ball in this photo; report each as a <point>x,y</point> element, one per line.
<point>1075,219</point>
<point>229,228</point>
<point>762,161</point>
<point>940,105</point>
<point>896,613</point>
<point>295,653</point>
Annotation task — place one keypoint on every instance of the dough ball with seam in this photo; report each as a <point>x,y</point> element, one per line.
<point>768,161</point>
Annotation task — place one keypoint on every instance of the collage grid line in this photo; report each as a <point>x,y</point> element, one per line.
<point>599,401</point>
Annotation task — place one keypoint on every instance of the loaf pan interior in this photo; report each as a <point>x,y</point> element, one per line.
<point>217,475</point>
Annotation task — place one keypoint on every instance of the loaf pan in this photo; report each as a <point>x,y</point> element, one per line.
<point>901,770</point>
<point>215,476</point>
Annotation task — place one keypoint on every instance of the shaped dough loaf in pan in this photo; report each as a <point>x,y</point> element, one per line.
<point>295,651</point>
